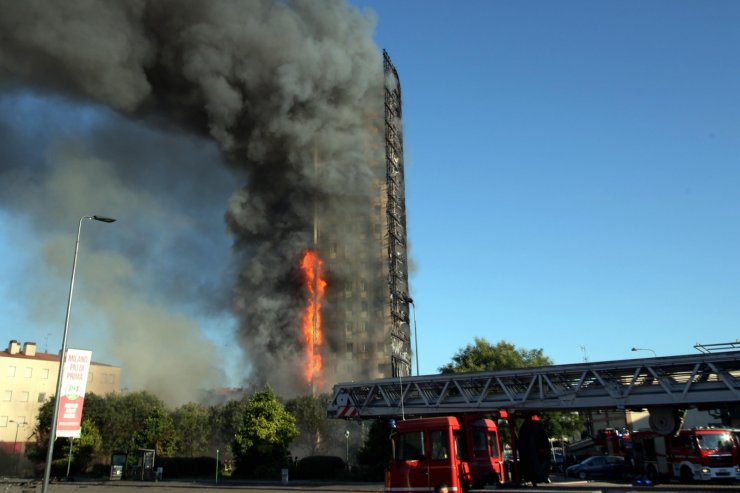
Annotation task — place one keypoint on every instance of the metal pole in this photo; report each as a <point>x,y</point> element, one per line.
<point>62,360</point>
<point>69,461</point>
<point>15,444</point>
<point>63,355</point>
<point>346,435</point>
<point>216,466</point>
<point>410,301</point>
<point>416,339</point>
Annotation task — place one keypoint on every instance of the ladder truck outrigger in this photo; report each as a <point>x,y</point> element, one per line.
<point>444,431</point>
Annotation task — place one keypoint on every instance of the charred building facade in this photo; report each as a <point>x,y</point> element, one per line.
<point>398,328</point>
<point>367,303</point>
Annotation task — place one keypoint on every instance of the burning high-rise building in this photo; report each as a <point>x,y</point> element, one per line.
<point>368,311</point>
<point>308,174</point>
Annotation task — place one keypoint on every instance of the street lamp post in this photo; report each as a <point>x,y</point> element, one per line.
<point>63,354</point>
<point>645,349</point>
<point>15,442</point>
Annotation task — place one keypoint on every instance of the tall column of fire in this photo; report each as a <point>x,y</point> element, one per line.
<point>313,270</point>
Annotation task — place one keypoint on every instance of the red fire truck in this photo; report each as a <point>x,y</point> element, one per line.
<point>695,454</point>
<point>459,452</point>
<point>608,441</point>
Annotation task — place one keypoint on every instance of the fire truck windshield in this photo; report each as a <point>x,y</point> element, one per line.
<point>715,441</point>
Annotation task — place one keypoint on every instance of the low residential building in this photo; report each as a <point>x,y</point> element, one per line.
<point>28,379</point>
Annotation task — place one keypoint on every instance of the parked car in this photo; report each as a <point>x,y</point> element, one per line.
<point>598,466</point>
<point>557,463</point>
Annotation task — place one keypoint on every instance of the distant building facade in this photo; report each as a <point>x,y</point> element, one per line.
<point>28,379</point>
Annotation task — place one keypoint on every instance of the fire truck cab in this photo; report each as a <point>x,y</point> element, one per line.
<point>459,452</point>
<point>696,454</point>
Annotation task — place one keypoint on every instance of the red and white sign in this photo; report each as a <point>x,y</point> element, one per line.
<point>74,382</point>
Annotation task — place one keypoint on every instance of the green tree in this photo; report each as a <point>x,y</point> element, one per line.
<point>192,429</point>
<point>157,433</point>
<point>129,421</point>
<point>375,452</point>
<point>262,439</point>
<point>483,356</point>
<point>37,451</point>
<point>85,449</point>
<point>225,420</point>
<point>99,411</point>
<point>317,433</point>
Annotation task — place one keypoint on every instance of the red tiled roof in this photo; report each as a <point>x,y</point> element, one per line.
<point>42,357</point>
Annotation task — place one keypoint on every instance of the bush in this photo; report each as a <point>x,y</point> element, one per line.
<point>184,467</point>
<point>320,467</point>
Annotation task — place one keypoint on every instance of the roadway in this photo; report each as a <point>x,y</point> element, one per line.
<point>559,485</point>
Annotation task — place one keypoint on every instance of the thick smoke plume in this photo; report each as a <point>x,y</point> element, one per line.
<point>291,93</point>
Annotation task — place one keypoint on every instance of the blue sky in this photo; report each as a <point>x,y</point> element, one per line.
<point>572,173</point>
<point>572,181</point>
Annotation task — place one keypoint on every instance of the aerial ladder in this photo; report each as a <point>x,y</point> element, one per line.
<point>666,386</point>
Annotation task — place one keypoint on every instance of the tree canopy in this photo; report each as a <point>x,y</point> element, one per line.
<point>483,356</point>
<point>262,439</point>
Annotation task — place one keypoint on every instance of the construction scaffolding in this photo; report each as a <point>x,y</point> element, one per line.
<point>400,332</point>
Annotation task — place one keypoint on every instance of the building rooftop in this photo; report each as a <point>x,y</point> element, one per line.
<point>28,351</point>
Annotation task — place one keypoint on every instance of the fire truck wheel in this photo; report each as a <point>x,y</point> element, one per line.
<point>665,420</point>
<point>686,475</point>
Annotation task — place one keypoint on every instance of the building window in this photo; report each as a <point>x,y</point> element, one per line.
<point>350,347</point>
<point>109,378</point>
<point>7,395</point>
<point>348,328</point>
<point>363,348</point>
<point>28,372</point>
<point>11,371</point>
<point>3,421</point>
<point>42,396</point>
<point>363,326</point>
<point>44,373</point>
<point>24,396</point>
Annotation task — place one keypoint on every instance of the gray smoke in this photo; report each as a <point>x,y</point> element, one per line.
<point>291,92</point>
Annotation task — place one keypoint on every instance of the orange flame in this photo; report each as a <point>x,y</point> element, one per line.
<point>313,270</point>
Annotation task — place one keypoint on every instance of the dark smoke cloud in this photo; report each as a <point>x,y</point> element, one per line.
<point>291,92</point>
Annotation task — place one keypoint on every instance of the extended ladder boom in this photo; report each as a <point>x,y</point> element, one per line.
<point>696,380</point>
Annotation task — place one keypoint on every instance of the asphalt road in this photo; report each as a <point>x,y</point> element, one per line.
<point>558,486</point>
<point>11,486</point>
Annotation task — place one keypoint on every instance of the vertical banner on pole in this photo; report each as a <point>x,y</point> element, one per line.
<point>74,382</point>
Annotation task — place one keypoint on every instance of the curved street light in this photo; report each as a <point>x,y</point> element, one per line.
<point>645,349</point>
<point>63,355</point>
<point>15,442</point>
